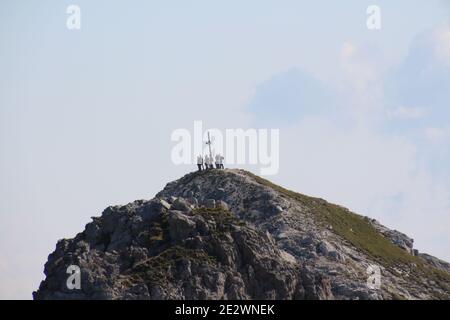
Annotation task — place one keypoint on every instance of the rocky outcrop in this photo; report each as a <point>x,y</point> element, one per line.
<point>396,237</point>
<point>227,234</point>
<point>435,262</point>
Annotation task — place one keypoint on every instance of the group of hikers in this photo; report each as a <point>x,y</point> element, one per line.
<point>208,162</point>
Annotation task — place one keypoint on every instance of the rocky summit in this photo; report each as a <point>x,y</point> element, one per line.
<point>229,234</point>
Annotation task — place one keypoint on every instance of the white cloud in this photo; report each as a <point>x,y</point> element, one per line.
<point>406,113</point>
<point>437,135</point>
<point>360,78</point>
<point>348,50</point>
<point>441,38</point>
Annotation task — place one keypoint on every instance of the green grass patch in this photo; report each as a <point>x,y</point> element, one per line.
<point>350,226</point>
<point>158,231</point>
<point>156,270</point>
<point>361,234</point>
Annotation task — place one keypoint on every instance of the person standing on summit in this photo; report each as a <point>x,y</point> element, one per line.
<point>211,162</point>
<point>200,163</point>
<point>218,161</point>
<point>221,162</point>
<point>206,162</point>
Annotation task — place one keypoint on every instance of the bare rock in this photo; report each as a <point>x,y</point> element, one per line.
<point>264,243</point>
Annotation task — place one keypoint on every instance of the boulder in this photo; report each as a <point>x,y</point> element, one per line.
<point>181,204</point>
<point>210,203</point>
<point>220,204</point>
<point>180,225</point>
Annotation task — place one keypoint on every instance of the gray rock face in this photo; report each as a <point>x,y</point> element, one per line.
<point>437,263</point>
<point>399,239</point>
<point>226,234</point>
<point>181,204</point>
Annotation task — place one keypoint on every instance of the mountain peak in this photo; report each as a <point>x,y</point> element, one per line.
<point>229,234</point>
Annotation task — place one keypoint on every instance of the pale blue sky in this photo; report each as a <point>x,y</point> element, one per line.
<point>86,116</point>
